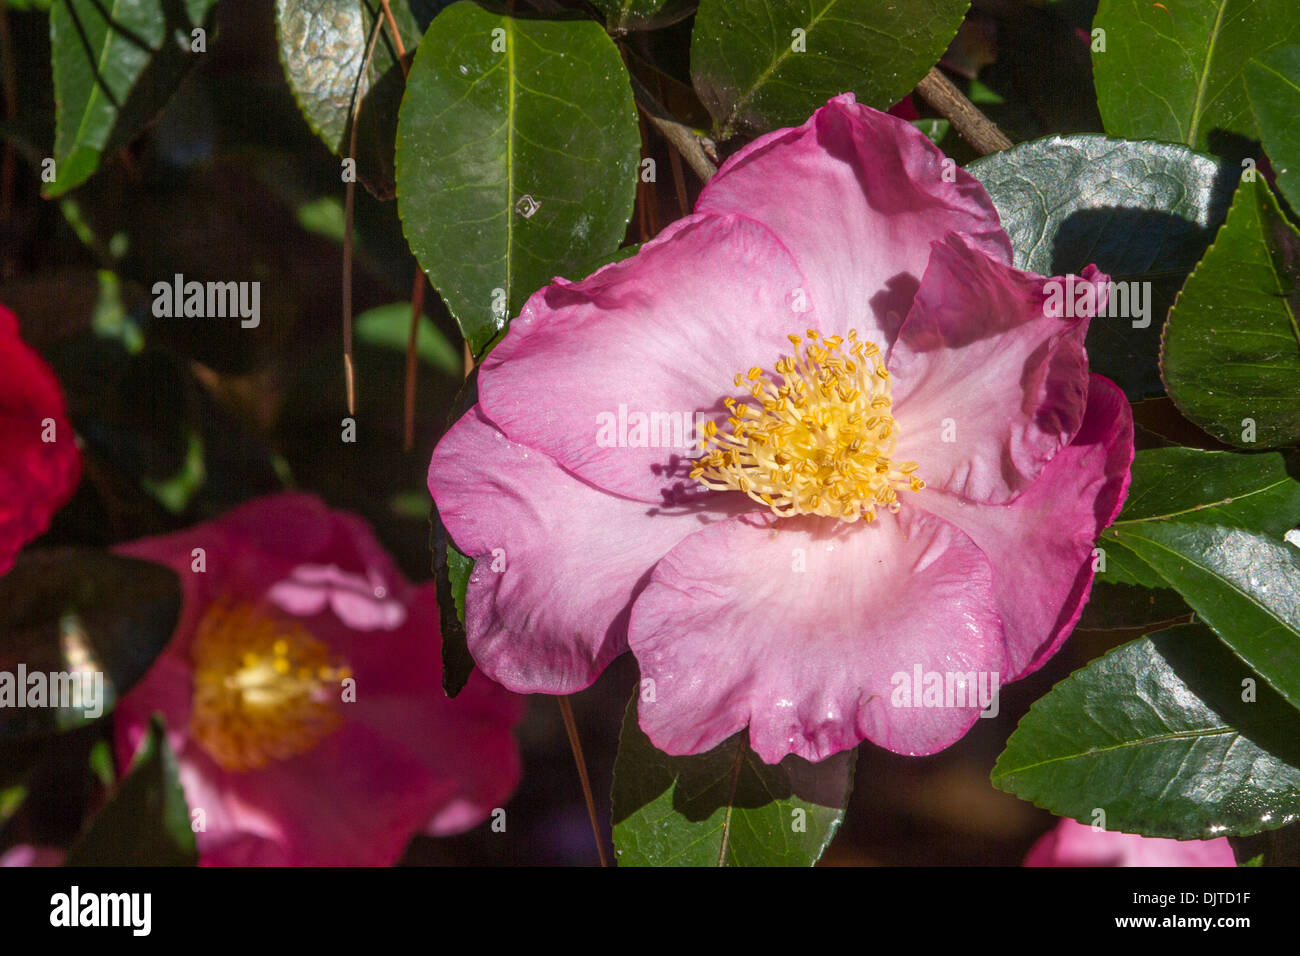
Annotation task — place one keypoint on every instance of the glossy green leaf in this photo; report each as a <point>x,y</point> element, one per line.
<point>761,64</point>
<point>725,807</point>
<point>623,16</point>
<point>65,611</point>
<point>517,152</point>
<point>1210,524</point>
<point>1175,71</point>
<point>1120,606</point>
<point>1198,521</point>
<point>115,66</point>
<point>1251,492</point>
<point>1123,568</point>
<point>1243,584</point>
<point>1231,357</point>
<point>322,48</point>
<point>1141,212</point>
<point>1274,87</point>
<point>146,821</point>
<point>1157,735</point>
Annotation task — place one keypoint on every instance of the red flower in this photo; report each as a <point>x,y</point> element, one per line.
<point>39,462</point>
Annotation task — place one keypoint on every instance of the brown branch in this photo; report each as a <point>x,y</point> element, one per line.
<point>684,139</point>
<point>966,118</point>
<point>349,206</point>
<point>397,37</point>
<point>571,727</point>
<point>675,159</point>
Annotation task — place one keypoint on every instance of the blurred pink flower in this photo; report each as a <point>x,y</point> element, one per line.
<point>39,461</point>
<point>906,475</point>
<point>302,695</point>
<point>24,854</point>
<point>1076,844</point>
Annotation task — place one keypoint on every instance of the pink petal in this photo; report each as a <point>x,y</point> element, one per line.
<point>406,758</point>
<point>661,333</point>
<point>379,794</point>
<point>857,196</point>
<point>24,854</point>
<point>732,633</point>
<point>1076,844</point>
<point>987,386</point>
<point>570,558</point>
<point>1040,545</point>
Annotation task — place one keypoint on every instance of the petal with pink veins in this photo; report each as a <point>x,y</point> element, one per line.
<point>857,196</point>
<point>558,561</point>
<point>987,386</point>
<point>1040,545</point>
<point>733,632</point>
<point>663,334</point>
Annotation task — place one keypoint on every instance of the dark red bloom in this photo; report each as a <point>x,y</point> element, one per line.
<point>39,462</point>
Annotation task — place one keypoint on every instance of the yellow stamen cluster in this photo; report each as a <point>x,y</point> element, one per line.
<point>821,442</point>
<point>264,688</point>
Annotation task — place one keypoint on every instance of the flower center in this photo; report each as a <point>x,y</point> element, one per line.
<point>820,443</point>
<point>264,688</point>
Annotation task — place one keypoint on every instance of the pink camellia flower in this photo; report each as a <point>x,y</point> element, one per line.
<point>904,469</point>
<point>1072,843</point>
<point>39,462</point>
<point>24,854</point>
<point>302,695</point>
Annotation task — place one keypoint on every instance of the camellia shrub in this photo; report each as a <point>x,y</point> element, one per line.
<point>851,411</point>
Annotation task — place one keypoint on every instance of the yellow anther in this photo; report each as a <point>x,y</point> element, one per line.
<point>821,442</point>
<point>263,687</point>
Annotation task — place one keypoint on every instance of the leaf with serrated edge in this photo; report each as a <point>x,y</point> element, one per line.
<point>1274,87</point>
<point>1231,349</point>
<point>1243,584</point>
<point>749,71</point>
<point>1196,521</point>
<point>725,807</point>
<point>1156,734</point>
<point>1140,212</point>
<point>1174,71</point>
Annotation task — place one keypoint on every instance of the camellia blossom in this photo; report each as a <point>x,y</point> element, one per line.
<point>1072,843</point>
<point>302,695</point>
<point>40,465</point>
<point>902,469</point>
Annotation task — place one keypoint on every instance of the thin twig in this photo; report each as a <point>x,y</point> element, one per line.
<point>566,709</point>
<point>349,206</point>
<point>397,36</point>
<point>417,292</point>
<point>684,139</point>
<point>966,118</point>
